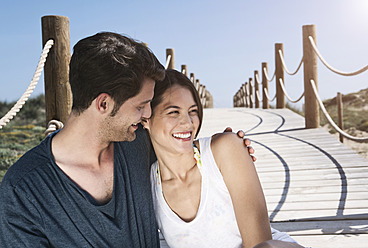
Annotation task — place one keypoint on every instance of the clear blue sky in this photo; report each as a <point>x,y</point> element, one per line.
<point>222,42</point>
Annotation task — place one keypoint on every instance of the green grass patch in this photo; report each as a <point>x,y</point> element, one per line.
<point>22,133</point>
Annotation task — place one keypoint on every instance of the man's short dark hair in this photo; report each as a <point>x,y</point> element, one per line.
<point>110,63</point>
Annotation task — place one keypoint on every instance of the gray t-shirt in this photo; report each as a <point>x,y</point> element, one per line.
<point>41,207</point>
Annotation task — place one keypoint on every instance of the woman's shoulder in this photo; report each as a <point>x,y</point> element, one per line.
<point>225,141</point>
<point>225,147</point>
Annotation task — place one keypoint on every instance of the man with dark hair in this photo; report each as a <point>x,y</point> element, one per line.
<point>83,186</point>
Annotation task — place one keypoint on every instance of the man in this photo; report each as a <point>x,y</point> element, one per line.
<point>78,188</point>
<point>83,186</point>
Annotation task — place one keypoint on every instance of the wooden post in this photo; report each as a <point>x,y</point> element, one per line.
<point>240,100</point>
<point>58,96</point>
<point>241,94</point>
<point>340,113</point>
<point>184,69</point>
<point>256,86</point>
<point>192,78</point>
<point>280,96</point>
<point>243,90</point>
<point>236,99</point>
<point>204,95</point>
<point>250,92</point>
<point>209,99</point>
<point>170,51</point>
<point>197,85</point>
<point>266,104</point>
<point>200,91</point>
<point>310,72</point>
<point>247,101</point>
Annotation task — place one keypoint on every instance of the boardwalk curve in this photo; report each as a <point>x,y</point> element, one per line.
<point>316,188</point>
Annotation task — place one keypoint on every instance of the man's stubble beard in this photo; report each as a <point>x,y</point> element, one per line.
<point>112,132</point>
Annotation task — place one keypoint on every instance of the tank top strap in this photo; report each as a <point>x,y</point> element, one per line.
<point>210,167</point>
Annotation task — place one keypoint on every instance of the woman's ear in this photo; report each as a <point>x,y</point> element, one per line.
<point>145,122</point>
<point>104,103</point>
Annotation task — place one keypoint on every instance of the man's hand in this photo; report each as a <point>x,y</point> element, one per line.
<point>247,142</point>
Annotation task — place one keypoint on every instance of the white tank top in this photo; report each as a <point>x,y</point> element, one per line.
<point>215,223</point>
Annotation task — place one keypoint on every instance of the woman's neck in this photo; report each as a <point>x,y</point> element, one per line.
<point>175,166</point>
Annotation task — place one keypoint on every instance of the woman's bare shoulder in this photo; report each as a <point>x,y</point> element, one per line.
<point>226,141</point>
<point>227,146</point>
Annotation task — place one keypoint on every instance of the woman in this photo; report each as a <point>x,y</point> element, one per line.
<point>206,193</point>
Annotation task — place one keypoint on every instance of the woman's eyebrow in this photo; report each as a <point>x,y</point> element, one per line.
<point>172,106</point>
<point>177,107</point>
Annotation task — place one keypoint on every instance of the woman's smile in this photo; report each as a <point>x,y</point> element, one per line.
<point>185,136</point>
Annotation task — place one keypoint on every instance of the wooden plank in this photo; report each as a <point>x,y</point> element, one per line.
<point>272,166</point>
<point>322,214</point>
<point>333,241</point>
<point>315,190</point>
<point>322,174</point>
<point>277,182</point>
<point>335,196</point>
<point>323,227</point>
<point>320,205</point>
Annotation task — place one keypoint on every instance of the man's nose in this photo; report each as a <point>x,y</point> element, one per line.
<point>147,111</point>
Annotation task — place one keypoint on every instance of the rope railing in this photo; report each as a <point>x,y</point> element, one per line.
<point>170,64</point>
<point>311,97</point>
<point>22,100</point>
<point>264,91</point>
<point>284,65</point>
<point>328,117</point>
<point>330,67</point>
<point>257,95</point>
<point>268,97</point>
<point>266,75</point>
<point>192,79</point>
<point>52,126</point>
<point>167,61</point>
<point>286,94</point>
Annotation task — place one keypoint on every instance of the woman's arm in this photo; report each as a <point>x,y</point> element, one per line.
<point>240,176</point>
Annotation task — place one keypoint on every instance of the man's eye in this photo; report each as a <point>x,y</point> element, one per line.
<point>174,112</point>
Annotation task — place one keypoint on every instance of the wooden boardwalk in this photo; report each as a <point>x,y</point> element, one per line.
<point>316,188</point>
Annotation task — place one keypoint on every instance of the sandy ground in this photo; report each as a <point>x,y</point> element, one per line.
<point>360,147</point>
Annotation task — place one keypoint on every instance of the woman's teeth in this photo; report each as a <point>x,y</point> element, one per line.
<point>182,135</point>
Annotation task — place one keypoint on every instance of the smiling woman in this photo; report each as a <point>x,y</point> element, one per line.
<point>175,122</point>
<point>206,192</point>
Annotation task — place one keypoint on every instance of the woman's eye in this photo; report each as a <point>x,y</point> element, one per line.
<point>173,112</point>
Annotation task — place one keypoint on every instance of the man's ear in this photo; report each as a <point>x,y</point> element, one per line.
<point>104,103</point>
